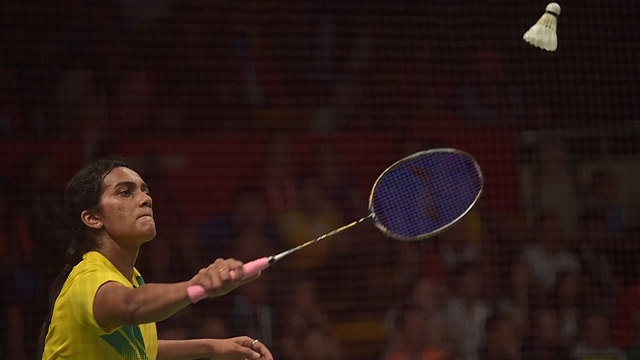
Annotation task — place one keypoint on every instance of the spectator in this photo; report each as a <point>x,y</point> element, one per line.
<point>17,283</point>
<point>253,314</point>
<point>306,323</point>
<point>547,256</point>
<point>488,98</point>
<point>504,339</point>
<point>603,200</point>
<point>426,299</point>
<point>626,321</point>
<point>45,214</point>
<point>596,340</point>
<point>568,299</point>
<point>313,214</point>
<point>13,123</point>
<point>544,341</point>
<point>305,311</point>
<point>336,180</point>
<point>319,344</point>
<point>212,327</point>
<point>452,249</point>
<point>136,104</point>
<point>249,213</point>
<point>82,107</point>
<point>414,339</point>
<point>555,183</point>
<point>263,82</point>
<point>467,312</point>
<point>519,297</point>
<point>595,250</point>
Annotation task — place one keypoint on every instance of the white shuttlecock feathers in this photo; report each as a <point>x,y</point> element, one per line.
<point>543,33</point>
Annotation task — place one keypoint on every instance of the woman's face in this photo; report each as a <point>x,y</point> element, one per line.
<point>125,208</point>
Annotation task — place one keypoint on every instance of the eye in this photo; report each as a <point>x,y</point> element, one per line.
<point>125,192</point>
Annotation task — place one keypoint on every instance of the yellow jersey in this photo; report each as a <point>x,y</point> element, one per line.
<point>74,332</point>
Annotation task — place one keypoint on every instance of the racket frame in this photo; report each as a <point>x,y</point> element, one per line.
<point>433,233</point>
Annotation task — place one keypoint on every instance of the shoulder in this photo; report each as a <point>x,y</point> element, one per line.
<point>91,262</point>
<point>95,269</point>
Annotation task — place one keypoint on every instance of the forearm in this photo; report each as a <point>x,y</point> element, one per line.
<point>116,305</point>
<point>155,302</point>
<point>241,347</point>
<point>184,349</point>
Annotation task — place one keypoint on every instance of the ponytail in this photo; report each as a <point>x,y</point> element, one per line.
<point>56,287</point>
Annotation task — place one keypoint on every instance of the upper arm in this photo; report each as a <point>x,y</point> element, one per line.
<point>110,307</point>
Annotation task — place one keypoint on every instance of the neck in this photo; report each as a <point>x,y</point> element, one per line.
<point>124,259</point>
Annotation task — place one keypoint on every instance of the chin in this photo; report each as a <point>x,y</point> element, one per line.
<point>148,235</point>
<point>151,236</point>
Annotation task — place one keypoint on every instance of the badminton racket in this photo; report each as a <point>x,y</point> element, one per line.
<point>415,198</point>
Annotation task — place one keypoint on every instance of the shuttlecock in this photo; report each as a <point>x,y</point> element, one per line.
<point>543,33</point>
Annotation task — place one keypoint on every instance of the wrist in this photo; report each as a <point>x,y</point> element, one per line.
<point>213,347</point>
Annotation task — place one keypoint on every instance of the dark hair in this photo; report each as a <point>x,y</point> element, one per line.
<point>83,192</point>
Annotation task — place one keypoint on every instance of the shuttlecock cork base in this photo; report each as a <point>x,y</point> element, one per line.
<point>543,33</point>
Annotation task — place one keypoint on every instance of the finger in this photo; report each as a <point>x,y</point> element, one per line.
<point>214,270</point>
<point>247,352</point>
<point>236,266</point>
<point>213,277</point>
<point>203,279</point>
<point>263,350</point>
<point>259,347</point>
<point>219,263</point>
<point>224,274</point>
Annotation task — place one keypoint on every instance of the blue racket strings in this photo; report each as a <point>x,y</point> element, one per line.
<point>425,193</point>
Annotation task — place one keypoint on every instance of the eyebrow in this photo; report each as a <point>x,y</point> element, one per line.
<point>143,185</point>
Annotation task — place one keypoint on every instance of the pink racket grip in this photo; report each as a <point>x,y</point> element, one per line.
<point>197,292</point>
<point>252,267</point>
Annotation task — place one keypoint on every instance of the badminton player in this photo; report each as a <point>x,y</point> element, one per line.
<point>100,305</point>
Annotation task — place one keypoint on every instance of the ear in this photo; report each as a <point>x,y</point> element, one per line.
<point>91,220</point>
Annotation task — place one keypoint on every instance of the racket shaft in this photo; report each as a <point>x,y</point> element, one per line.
<point>197,292</point>
<point>318,239</point>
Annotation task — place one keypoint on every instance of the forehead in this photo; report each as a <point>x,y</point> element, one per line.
<point>119,175</point>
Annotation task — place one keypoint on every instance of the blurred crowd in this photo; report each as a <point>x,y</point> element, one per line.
<point>555,278</point>
<point>495,286</point>
<point>114,70</point>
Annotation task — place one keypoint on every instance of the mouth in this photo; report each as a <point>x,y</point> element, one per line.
<point>145,215</point>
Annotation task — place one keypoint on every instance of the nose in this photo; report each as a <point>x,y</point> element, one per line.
<point>146,200</point>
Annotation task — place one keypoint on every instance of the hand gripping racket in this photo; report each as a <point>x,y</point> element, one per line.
<point>417,197</point>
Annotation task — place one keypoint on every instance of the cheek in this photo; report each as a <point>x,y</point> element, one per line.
<point>121,213</point>
<point>117,216</point>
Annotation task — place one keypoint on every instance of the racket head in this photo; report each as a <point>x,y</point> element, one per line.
<point>425,193</point>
